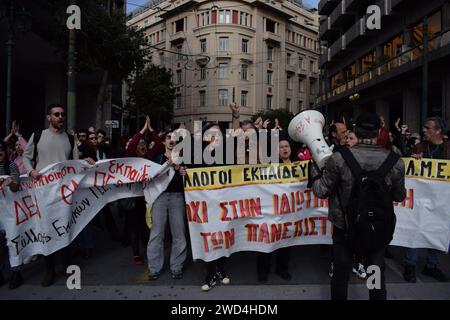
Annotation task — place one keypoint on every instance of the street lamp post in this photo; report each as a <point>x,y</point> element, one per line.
<point>9,46</point>
<point>18,23</point>
<point>71,82</point>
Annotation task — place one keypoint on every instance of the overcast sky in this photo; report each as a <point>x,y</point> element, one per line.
<point>133,4</point>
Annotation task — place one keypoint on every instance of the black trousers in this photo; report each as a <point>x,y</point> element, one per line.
<point>343,259</point>
<point>50,260</point>
<point>281,260</point>
<point>213,266</point>
<point>136,227</point>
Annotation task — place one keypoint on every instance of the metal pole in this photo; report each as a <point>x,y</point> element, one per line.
<point>424,113</point>
<point>9,45</point>
<point>71,83</point>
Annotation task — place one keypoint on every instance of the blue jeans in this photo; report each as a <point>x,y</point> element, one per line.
<point>169,206</point>
<point>412,255</point>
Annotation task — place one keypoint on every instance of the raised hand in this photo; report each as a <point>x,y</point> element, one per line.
<point>277,124</point>
<point>258,123</point>
<point>149,123</point>
<point>234,107</point>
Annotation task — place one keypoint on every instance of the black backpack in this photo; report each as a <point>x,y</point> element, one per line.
<point>37,137</point>
<point>370,217</point>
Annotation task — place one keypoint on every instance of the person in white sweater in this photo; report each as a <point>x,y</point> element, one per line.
<point>54,145</point>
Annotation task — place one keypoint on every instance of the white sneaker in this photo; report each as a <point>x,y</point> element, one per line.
<point>209,284</point>
<point>360,272</point>
<point>223,277</point>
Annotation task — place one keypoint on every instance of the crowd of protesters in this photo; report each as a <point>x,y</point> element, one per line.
<point>19,157</point>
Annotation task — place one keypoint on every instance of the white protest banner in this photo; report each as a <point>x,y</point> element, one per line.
<point>423,218</point>
<point>47,214</point>
<point>266,207</point>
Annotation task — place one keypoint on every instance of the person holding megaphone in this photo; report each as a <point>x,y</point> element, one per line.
<point>361,183</point>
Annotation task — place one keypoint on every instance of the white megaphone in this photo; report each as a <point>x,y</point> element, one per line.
<point>306,127</point>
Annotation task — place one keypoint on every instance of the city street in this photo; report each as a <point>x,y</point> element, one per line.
<point>110,274</point>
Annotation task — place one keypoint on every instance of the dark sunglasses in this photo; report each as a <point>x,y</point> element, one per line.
<point>59,114</point>
<point>82,135</point>
<point>93,138</point>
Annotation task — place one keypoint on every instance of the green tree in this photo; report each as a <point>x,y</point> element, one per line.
<point>284,117</point>
<point>150,92</point>
<point>105,45</point>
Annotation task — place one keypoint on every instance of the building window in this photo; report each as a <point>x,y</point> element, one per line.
<point>202,73</point>
<point>245,45</point>
<point>244,19</point>
<point>288,104</point>
<point>288,58</point>
<point>269,77</point>
<point>223,97</point>
<point>312,87</point>
<point>202,45</point>
<point>223,70</point>
<point>311,65</point>
<point>393,48</point>
<point>301,84</point>
<point>269,102</point>
<point>178,101</point>
<point>146,23</point>
<point>269,53</point>
<point>179,25</point>
<point>179,52</point>
<point>289,82</point>
<point>350,72</point>
<point>244,98</point>
<point>301,61</point>
<point>225,16</point>
<point>300,105</point>
<point>270,26</point>
<point>223,44</point>
<point>178,77</point>
<point>368,62</point>
<point>201,98</point>
<point>244,69</point>
<point>205,19</point>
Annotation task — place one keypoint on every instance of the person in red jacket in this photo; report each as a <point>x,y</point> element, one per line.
<point>138,147</point>
<point>383,136</point>
<point>135,208</point>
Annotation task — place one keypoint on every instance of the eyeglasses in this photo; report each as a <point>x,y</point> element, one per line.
<point>92,138</point>
<point>82,136</point>
<point>59,114</point>
<point>428,127</point>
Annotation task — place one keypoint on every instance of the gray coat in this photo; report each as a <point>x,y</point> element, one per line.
<point>337,178</point>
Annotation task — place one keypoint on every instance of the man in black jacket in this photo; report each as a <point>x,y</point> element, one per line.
<point>336,182</point>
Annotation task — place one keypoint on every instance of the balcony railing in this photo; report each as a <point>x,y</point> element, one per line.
<point>357,30</point>
<point>325,6</point>
<point>338,46</point>
<point>337,12</point>
<point>387,66</point>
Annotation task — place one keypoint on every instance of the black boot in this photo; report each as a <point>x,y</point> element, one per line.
<point>16,280</point>
<point>409,274</point>
<point>49,278</point>
<point>2,280</point>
